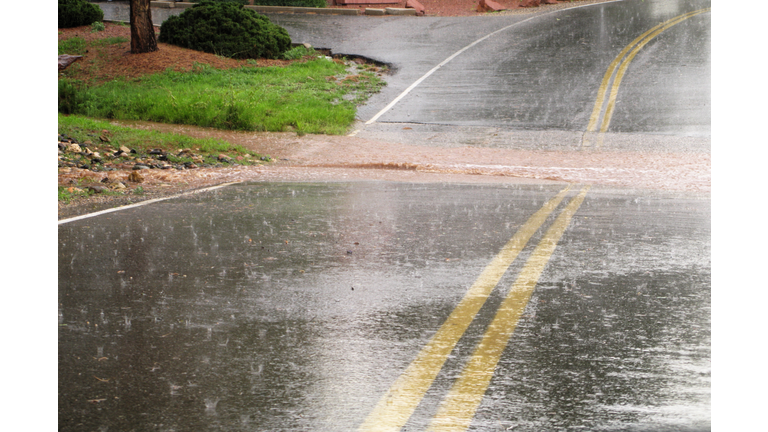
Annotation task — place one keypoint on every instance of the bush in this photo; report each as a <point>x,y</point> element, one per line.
<point>226,29</point>
<point>72,97</point>
<point>294,3</point>
<point>98,26</point>
<point>76,13</point>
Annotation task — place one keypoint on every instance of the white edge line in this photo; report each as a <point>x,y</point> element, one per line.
<point>138,204</point>
<point>444,62</point>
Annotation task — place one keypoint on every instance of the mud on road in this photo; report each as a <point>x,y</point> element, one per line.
<point>334,158</point>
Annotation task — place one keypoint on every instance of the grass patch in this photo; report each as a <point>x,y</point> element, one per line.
<point>298,52</point>
<point>68,193</point>
<point>315,96</point>
<point>82,129</point>
<point>110,41</point>
<point>73,46</point>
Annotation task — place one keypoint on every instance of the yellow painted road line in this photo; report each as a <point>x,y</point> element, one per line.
<point>625,65</point>
<point>446,61</point>
<point>600,101</point>
<point>622,63</point>
<point>458,408</point>
<point>396,406</point>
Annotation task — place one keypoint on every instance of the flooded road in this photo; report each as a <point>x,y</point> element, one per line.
<point>472,260</point>
<point>295,306</point>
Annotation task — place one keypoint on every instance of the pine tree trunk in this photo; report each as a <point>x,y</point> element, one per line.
<point>142,31</point>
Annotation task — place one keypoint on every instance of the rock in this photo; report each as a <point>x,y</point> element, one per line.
<point>489,6</point>
<point>307,46</point>
<point>98,188</point>
<point>65,60</point>
<point>224,158</point>
<point>530,3</point>
<point>119,185</point>
<point>125,149</point>
<point>74,148</point>
<point>400,11</point>
<point>135,177</point>
<point>140,167</point>
<point>413,4</point>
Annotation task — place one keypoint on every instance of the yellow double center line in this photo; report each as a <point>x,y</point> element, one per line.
<point>619,65</point>
<point>400,401</point>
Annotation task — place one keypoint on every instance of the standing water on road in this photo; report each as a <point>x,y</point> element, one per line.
<point>295,306</point>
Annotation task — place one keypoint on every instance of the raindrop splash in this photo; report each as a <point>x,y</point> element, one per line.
<point>210,405</point>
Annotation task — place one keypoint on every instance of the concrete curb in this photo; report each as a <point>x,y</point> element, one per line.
<point>302,10</point>
<point>296,10</point>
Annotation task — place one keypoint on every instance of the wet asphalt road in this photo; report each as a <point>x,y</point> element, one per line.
<point>298,306</point>
<point>534,81</point>
<point>295,307</point>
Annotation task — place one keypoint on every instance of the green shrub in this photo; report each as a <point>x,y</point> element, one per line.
<point>76,13</point>
<point>72,97</point>
<point>227,29</point>
<point>97,26</point>
<point>294,3</point>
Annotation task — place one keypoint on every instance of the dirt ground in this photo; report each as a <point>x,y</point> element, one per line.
<point>331,158</point>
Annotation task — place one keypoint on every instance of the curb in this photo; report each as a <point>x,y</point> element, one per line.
<point>297,10</point>
<point>301,10</point>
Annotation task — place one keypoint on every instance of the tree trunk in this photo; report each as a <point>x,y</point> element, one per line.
<point>142,31</point>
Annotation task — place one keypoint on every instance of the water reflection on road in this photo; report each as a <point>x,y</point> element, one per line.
<point>295,306</point>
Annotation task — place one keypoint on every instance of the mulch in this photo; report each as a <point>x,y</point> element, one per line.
<point>116,60</point>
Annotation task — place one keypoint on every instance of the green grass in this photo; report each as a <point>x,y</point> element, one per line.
<point>308,97</point>
<point>298,52</point>
<point>82,129</point>
<point>72,46</point>
<point>67,194</point>
<point>110,41</point>
<point>78,46</point>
